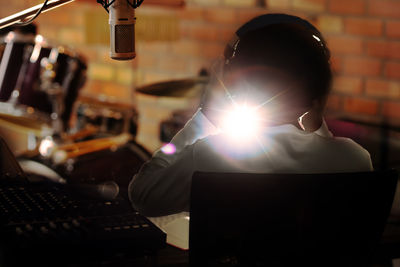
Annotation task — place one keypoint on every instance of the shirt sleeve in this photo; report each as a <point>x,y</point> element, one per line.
<point>162,186</point>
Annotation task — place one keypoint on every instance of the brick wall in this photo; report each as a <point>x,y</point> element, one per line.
<point>363,35</point>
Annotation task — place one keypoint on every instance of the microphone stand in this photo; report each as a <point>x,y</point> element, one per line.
<point>29,12</point>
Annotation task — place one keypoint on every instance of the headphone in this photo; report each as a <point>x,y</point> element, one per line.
<point>266,20</point>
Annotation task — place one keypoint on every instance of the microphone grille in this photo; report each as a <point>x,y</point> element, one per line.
<point>125,38</point>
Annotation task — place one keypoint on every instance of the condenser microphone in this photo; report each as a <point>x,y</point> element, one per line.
<point>122,30</point>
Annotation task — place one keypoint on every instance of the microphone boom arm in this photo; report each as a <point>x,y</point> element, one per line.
<point>30,12</point>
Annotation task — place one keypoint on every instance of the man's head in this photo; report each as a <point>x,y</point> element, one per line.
<point>281,59</point>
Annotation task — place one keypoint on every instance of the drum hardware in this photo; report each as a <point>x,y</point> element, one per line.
<point>15,93</point>
<point>110,118</point>
<point>63,153</point>
<point>53,90</point>
<point>88,131</point>
<point>23,127</point>
<point>116,163</point>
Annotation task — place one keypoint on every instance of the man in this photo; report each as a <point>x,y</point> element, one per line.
<point>278,69</point>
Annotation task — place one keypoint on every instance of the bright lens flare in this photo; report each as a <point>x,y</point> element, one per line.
<point>168,149</point>
<point>46,147</point>
<point>242,123</point>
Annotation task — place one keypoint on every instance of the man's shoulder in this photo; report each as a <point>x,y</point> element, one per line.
<point>349,144</point>
<point>352,153</point>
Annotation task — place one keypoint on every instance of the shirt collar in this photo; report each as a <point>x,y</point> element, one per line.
<point>323,130</point>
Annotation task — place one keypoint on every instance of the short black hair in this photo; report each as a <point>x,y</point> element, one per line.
<point>288,43</point>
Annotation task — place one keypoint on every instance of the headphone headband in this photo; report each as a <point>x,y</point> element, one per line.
<point>268,20</point>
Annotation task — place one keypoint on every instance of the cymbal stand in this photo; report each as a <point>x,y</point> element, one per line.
<point>54,90</point>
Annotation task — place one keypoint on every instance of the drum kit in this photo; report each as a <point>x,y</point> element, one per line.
<point>39,88</point>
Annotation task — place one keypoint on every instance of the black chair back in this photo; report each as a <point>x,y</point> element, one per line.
<point>288,219</point>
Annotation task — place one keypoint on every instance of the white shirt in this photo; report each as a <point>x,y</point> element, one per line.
<point>162,186</point>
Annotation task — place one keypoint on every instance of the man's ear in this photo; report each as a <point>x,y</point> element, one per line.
<point>312,119</point>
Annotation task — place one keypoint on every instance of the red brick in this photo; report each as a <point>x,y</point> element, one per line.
<point>191,13</point>
<point>347,85</point>
<point>51,34</point>
<point>358,105</point>
<point>362,66</point>
<point>382,88</point>
<point>101,71</point>
<point>309,5</point>
<point>104,57</point>
<point>330,24</point>
<point>206,3</point>
<point>64,16</point>
<point>334,102</point>
<point>391,109</point>
<point>226,34</point>
<point>184,30</point>
<point>240,3</point>
<point>336,63</point>
<point>147,60</point>
<point>277,4</point>
<point>133,64</point>
<point>173,63</point>
<point>154,76</point>
<point>386,8</point>
<point>212,50</point>
<point>203,32</point>
<point>221,15</point>
<point>187,48</point>
<point>90,52</point>
<point>125,76</point>
<point>312,18</point>
<point>393,29</point>
<point>364,26</point>
<point>392,70</point>
<point>354,7</point>
<point>71,36</point>
<point>245,15</point>
<point>345,45</point>
<point>118,92</point>
<point>92,88</point>
<point>388,49</point>
<point>153,47</point>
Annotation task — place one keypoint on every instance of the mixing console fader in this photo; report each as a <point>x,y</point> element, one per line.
<point>48,222</point>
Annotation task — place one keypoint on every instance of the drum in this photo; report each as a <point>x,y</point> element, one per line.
<point>23,127</point>
<point>14,50</point>
<point>115,164</point>
<point>41,76</point>
<point>109,118</point>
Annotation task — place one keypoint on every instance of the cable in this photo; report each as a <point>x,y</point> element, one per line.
<point>29,21</point>
<point>106,3</point>
<point>135,3</point>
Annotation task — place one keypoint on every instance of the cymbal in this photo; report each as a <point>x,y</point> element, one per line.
<point>104,103</point>
<point>185,88</point>
<point>24,116</point>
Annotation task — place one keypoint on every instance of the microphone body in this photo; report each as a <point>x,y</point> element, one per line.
<point>122,30</point>
<point>105,191</point>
